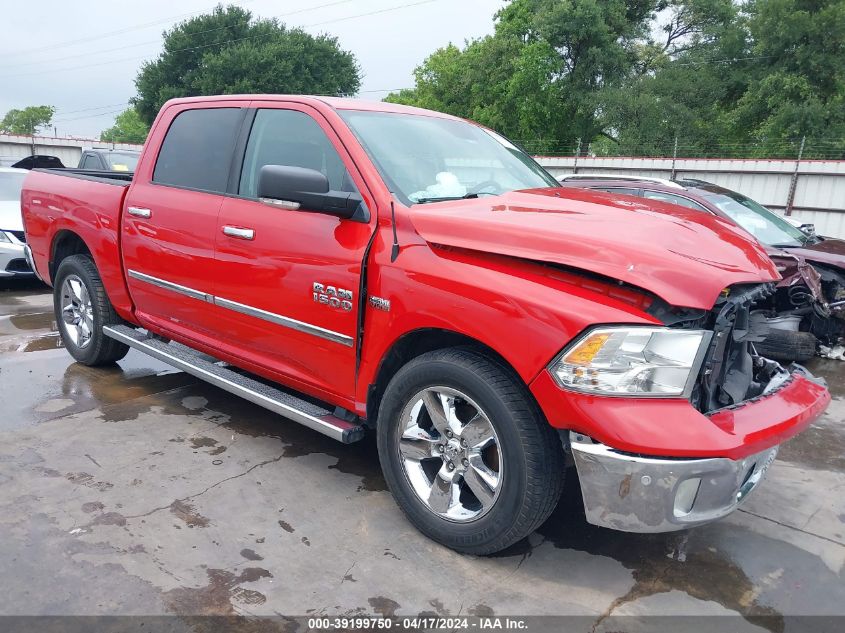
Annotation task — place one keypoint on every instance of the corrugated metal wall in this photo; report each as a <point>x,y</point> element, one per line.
<point>13,148</point>
<point>819,192</point>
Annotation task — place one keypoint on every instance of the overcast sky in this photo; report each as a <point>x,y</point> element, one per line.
<point>82,56</point>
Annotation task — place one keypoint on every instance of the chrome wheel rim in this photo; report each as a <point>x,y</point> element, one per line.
<point>450,454</point>
<point>77,311</point>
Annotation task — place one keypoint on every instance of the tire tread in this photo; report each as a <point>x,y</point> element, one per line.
<point>105,350</point>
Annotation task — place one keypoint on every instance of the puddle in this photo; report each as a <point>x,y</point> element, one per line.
<point>685,561</point>
<point>216,597</point>
<point>820,446</point>
<point>359,459</point>
<point>50,384</point>
<point>35,321</point>
<point>43,343</point>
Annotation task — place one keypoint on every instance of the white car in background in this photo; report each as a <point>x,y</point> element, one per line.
<point>13,261</point>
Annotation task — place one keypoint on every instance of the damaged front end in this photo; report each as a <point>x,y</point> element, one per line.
<point>745,402</point>
<point>807,309</point>
<point>733,371</point>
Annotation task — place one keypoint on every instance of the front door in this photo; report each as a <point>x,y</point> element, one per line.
<point>288,281</point>
<point>170,218</point>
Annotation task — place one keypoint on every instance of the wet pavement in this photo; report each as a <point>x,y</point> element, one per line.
<point>137,490</point>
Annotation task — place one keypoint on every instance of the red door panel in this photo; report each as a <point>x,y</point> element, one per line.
<point>170,215</point>
<point>265,286</point>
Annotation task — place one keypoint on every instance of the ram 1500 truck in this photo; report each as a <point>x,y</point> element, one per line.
<point>363,266</point>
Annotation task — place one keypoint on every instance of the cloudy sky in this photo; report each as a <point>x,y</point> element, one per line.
<point>82,56</point>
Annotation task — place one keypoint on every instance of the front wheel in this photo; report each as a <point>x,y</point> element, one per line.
<point>82,309</point>
<point>466,451</point>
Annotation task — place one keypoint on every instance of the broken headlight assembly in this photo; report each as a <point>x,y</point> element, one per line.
<point>656,362</point>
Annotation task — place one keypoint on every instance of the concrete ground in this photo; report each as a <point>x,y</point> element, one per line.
<point>137,490</point>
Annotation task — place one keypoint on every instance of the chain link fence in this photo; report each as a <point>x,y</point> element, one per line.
<point>804,148</point>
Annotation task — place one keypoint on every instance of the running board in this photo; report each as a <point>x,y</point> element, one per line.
<point>197,364</point>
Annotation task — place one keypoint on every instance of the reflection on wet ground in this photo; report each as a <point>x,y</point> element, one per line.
<point>217,506</point>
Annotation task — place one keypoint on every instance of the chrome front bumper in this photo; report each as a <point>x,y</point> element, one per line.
<point>654,494</point>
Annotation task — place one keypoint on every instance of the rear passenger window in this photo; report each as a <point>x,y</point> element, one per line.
<point>625,190</point>
<point>91,162</point>
<point>197,150</point>
<point>291,138</point>
<point>668,197</point>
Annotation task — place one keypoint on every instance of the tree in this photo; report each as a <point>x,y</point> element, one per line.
<point>798,86</point>
<point>128,128</point>
<point>540,76</point>
<point>27,121</point>
<point>227,52</point>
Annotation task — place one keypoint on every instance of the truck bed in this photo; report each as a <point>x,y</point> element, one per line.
<point>122,178</point>
<point>65,207</point>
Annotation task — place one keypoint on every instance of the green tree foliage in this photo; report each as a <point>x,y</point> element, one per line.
<point>27,121</point>
<point>227,52</point>
<point>538,77</point>
<point>798,87</point>
<point>128,128</point>
<point>628,77</point>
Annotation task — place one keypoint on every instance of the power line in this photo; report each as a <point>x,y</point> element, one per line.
<point>219,28</point>
<point>102,107</point>
<point>125,104</point>
<point>89,116</point>
<point>729,60</point>
<point>240,39</point>
<point>111,33</point>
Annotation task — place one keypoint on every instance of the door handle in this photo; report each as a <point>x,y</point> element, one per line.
<point>139,212</point>
<point>243,234</point>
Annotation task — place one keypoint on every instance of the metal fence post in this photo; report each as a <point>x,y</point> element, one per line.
<point>790,199</point>
<point>577,153</point>
<point>674,158</point>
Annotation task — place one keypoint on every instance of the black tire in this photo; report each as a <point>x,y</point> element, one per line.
<point>530,460</point>
<point>100,349</point>
<point>788,346</point>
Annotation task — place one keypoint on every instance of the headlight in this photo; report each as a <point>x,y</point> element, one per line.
<point>4,237</point>
<point>640,361</point>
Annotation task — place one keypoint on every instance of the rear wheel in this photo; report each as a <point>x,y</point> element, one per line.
<point>82,309</point>
<point>788,346</point>
<point>466,452</point>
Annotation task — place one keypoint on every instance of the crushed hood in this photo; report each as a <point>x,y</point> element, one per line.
<point>829,251</point>
<point>683,256</point>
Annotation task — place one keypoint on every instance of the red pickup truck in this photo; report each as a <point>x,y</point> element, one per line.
<point>365,266</point>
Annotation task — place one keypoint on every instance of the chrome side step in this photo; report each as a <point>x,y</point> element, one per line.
<point>197,364</point>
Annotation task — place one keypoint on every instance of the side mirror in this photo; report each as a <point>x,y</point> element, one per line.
<point>808,229</point>
<point>307,189</point>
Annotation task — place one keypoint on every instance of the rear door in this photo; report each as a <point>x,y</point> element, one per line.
<point>288,280</point>
<point>170,217</point>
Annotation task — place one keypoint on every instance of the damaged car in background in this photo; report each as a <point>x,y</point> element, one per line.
<point>805,314</point>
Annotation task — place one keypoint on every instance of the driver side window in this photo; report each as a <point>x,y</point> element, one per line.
<point>290,138</point>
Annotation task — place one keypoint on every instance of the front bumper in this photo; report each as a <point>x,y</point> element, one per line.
<point>13,262</point>
<point>634,493</point>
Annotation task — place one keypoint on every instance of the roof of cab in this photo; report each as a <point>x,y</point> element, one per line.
<point>336,103</point>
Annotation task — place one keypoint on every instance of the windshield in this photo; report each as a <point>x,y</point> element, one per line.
<point>119,161</point>
<point>768,227</point>
<point>426,159</point>
<point>11,184</point>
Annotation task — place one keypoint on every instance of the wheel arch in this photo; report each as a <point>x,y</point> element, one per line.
<point>66,243</point>
<point>415,343</point>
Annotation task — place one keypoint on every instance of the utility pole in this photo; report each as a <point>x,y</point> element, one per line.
<point>790,199</point>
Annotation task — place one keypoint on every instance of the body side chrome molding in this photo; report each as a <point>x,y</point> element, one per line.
<point>169,285</point>
<point>258,313</point>
<point>284,321</point>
